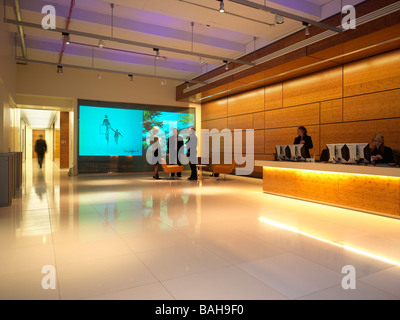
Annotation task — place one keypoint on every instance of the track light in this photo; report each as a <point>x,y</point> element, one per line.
<point>307,25</point>
<point>221,6</point>
<point>202,60</point>
<point>226,65</point>
<point>60,70</point>
<point>279,19</point>
<point>100,76</point>
<point>163,82</point>
<point>101,44</point>
<point>130,77</point>
<point>187,84</point>
<point>157,51</point>
<point>67,37</point>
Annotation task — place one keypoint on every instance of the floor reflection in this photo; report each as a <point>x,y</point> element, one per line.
<point>130,236</point>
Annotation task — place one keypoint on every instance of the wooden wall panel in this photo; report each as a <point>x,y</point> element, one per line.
<point>316,101</point>
<point>363,131</point>
<point>248,102</point>
<point>259,144</point>
<point>373,74</point>
<point>321,86</point>
<point>273,97</point>
<point>332,111</point>
<point>241,122</point>
<point>259,120</point>
<point>293,117</point>
<point>217,124</point>
<point>379,105</point>
<point>287,135</point>
<point>64,140</point>
<point>214,110</point>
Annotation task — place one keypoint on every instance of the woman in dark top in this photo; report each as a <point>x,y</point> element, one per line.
<point>305,139</point>
<point>380,153</point>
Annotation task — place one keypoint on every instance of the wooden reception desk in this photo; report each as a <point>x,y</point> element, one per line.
<point>367,188</point>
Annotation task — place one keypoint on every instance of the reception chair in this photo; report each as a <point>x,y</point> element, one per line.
<point>170,168</point>
<point>224,168</point>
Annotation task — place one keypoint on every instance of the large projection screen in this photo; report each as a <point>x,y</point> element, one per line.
<point>112,136</point>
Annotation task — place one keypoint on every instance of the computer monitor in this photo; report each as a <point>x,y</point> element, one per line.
<point>364,152</point>
<point>292,148</point>
<point>280,152</point>
<point>283,152</point>
<point>353,152</point>
<point>332,152</point>
<point>342,153</point>
<point>301,153</point>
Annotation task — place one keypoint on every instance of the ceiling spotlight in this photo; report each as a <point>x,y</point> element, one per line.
<point>279,19</point>
<point>226,65</point>
<point>130,77</point>
<point>202,60</point>
<point>187,84</point>
<point>101,44</point>
<point>157,51</point>
<point>67,37</point>
<point>221,6</point>
<point>100,76</point>
<point>60,70</point>
<point>163,82</point>
<point>307,25</point>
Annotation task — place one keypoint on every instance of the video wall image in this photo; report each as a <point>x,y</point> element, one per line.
<point>109,130</point>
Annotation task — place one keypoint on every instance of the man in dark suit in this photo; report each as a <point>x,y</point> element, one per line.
<point>174,147</point>
<point>191,145</point>
<point>40,149</point>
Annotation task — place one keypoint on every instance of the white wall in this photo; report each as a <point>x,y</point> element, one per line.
<point>7,82</point>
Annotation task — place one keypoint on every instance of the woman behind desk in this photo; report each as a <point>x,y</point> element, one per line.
<point>381,153</point>
<point>305,139</point>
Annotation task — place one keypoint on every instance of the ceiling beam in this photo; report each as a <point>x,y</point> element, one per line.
<point>108,71</point>
<point>130,24</point>
<point>125,41</point>
<point>301,6</point>
<point>287,15</point>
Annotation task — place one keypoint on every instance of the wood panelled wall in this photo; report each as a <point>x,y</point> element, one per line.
<point>64,140</point>
<point>348,103</point>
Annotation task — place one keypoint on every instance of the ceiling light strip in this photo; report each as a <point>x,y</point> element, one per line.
<point>107,70</point>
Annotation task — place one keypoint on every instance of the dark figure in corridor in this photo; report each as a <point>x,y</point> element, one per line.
<point>40,149</point>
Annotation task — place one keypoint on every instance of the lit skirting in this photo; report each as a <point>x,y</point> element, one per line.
<point>376,193</point>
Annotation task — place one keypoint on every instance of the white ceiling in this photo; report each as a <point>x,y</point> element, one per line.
<point>38,119</point>
<point>163,23</point>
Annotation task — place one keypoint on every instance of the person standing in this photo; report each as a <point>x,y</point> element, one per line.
<point>175,149</point>
<point>191,145</point>
<point>156,151</point>
<point>304,138</point>
<point>40,149</point>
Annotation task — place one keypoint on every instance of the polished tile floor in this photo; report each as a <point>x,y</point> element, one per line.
<point>129,237</point>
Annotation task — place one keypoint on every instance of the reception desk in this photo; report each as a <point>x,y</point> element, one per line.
<point>367,188</point>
